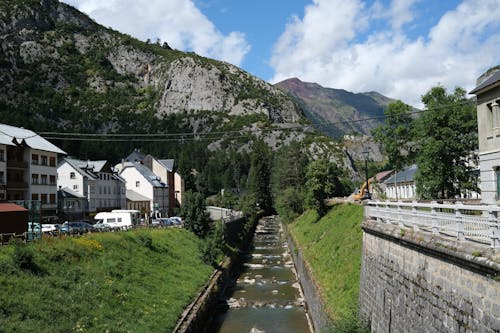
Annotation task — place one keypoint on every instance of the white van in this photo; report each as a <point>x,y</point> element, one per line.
<point>135,215</point>
<point>114,220</point>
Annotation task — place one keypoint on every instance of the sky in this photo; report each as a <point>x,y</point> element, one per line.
<point>399,48</point>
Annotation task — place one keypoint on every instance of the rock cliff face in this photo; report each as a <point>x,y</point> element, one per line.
<point>67,50</point>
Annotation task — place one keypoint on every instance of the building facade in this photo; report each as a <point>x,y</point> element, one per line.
<point>96,181</point>
<point>28,166</point>
<point>141,180</point>
<point>488,122</point>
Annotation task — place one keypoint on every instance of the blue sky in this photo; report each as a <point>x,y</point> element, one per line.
<point>400,48</point>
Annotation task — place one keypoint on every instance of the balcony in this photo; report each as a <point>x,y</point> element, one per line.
<point>14,164</point>
<point>12,185</point>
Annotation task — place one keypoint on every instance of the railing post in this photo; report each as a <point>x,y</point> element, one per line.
<point>494,227</point>
<point>434,222</point>
<point>414,215</point>
<point>459,221</point>
<point>400,214</point>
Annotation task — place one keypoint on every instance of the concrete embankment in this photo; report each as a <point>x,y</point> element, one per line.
<point>314,305</point>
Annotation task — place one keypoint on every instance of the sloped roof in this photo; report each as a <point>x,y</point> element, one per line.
<point>145,172</point>
<point>79,166</point>
<point>489,82</point>
<point>404,176</point>
<point>10,207</point>
<point>135,156</point>
<point>33,140</point>
<point>134,196</point>
<point>65,192</point>
<point>168,164</point>
<point>381,176</point>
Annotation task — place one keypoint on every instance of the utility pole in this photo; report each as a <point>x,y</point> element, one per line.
<point>366,154</point>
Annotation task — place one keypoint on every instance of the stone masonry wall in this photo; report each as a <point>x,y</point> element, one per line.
<point>407,286</point>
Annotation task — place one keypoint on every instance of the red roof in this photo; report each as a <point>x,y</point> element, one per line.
<point>10,207</point>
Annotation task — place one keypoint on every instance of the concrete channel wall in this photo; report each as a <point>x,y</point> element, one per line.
<point>315,307</point>
<point>419,282</point>
<point>197,317</point>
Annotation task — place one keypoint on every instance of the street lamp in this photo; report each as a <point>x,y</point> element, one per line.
<point>367,196</point>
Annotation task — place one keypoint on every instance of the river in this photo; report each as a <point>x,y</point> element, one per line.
<point>266,296</point>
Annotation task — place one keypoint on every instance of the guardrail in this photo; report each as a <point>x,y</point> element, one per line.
<point>32,236</point>
<point>465,222</point>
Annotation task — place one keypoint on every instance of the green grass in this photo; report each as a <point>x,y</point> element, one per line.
<point>136,281</point>
<point>332,247</point>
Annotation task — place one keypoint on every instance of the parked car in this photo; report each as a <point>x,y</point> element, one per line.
<point>176,220</point>
<point>34,231</point>
<point>102,226</point>
<point>49,228</point>
<point>76,227</point>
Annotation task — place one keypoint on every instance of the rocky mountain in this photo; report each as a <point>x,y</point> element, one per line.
<point>341,110</point>
<point>62,72</point>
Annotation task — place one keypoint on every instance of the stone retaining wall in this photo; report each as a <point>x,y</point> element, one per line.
<point>418,282</point>
<point>320,320</point>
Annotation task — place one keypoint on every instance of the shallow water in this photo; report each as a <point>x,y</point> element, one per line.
<point>266,295</point>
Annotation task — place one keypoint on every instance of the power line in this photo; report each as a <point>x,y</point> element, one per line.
<point>194,136</point>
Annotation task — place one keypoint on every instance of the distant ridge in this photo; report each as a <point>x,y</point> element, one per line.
<point>341,107</point>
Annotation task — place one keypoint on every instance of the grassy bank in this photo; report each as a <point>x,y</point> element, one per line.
<point>136,281</point>
<point>332,247</point>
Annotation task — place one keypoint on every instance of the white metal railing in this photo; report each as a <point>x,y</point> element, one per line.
<point>465,222</point>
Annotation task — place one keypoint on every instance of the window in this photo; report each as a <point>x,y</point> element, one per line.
<point>43,198</point>
<point>75,187</point>
<point>52,180</point>
<point>34,179</point>
<point>72,175</point>
<point>52,198</point>
<point>52,161</point>
<point>2,155</point>
<point>44,179</point>
<point>2,180</point>
<point>34,159</point>
<point>137,183</point>
<point>44,160</point>
<point>34,196</point>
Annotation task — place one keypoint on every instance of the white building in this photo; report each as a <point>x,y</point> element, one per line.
<point>164,168</point>
<point>102,187</point>
<point>401,185</point>
<point>488,122</point>
<point>144,182</point>
<point>28,164</point>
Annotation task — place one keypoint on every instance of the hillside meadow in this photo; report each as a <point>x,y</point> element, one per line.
<point>135,281</point>
<point>332,247</point>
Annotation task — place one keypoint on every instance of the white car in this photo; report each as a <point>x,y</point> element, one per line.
<point>49,227</point>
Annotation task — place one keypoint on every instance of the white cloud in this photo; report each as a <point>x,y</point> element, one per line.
<point>336,45</point>
<point>178,22</point>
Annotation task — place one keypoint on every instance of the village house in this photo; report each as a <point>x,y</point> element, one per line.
<point>141,180</point>
<point>401,185</point>
<point>488,122</point>
<point>100,185</point>
<point>28,170</point>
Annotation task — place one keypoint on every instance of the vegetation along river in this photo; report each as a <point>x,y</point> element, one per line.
<point>266,296</point>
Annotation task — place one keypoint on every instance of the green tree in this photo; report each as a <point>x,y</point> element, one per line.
<point>323,181</point>
<point>195,216</point>
<point>396,135</point>
<point>260,175</point>
<point>288,181</point>
<point>446,135</point>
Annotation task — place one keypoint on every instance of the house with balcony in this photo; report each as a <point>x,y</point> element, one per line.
<point>96,181</point>
<point>487,92</point>
<point>142,181</point>
<point>28,164</point>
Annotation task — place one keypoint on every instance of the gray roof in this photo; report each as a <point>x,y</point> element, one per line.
<point>169,164</point>
<point>135,156</point>
<point>490,81</point>
<point>404,176</point>
<point>68,193</point>
<point>33,140</point>
<point>146,173</point>
<point>134,196</point>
